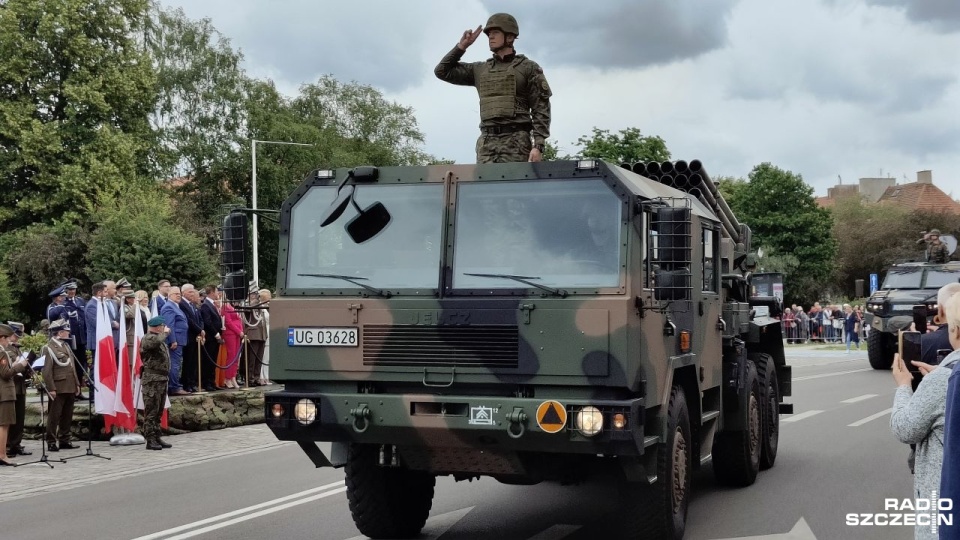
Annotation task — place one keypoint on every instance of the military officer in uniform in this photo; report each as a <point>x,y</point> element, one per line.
<point>937,251</point>
<point>60,378</point>
<point>75,306</point>
<point>155,372</point>
<point>56,309</point>
<point>15,438</point>
<point>514,94</point>
<point>10,366</point>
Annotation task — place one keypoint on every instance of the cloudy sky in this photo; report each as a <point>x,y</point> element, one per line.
<point>825,88</point>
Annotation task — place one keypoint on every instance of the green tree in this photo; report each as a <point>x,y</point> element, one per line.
<point>784,216</point>
<point>75,92</point>
<point>200,93</point>
<point>38,257</point>
<point>627,146</point>
<point>137,237</point>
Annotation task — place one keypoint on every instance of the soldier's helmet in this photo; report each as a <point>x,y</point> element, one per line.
<point>504,21</point>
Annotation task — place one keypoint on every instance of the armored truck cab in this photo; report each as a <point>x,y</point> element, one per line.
<point>529,322</point>
<point>890,308</point>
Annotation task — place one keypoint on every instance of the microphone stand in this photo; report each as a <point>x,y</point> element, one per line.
<point>93,389</point>
<point>43,443</point>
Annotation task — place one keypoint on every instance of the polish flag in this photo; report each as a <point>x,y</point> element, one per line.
<point>138,333</point>
<point>126,416</point>
<point>105,367</point>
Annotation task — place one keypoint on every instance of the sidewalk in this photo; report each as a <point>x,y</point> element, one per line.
<point>188,449</point>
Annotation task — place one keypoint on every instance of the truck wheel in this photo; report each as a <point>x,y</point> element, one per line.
<point>660,510</point>
<point>736,454</point>
<point>880,355</point>
<point>386,502</point>
<point>770,408</point>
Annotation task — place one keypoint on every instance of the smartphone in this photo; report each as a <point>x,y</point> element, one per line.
<point>920,318</point>
<point>910,350</point>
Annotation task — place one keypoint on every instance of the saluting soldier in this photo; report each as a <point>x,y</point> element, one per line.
<point>60,378</point>
<point>56,309</point>
<point>514,94</point>
<point>155,374</point>
<point>15,438</point>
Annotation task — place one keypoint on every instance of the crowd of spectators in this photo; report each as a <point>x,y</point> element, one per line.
<point>834,323</point>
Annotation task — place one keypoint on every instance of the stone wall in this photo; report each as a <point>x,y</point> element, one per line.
<point>217,410</point>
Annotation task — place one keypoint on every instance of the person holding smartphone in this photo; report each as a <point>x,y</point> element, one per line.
<point>918,417</point>
<point>937,339</point>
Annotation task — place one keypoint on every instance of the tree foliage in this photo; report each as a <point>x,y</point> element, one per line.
<point>783,215</point>
<point>199,116</point>
<point>137,237</point>
<point>627,146</point>
<point>871,237</point>
<point>38,257</point>
<point>75,91</point>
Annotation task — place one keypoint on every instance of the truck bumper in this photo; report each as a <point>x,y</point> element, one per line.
<point>454,422</point>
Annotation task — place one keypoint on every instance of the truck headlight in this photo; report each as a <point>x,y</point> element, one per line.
<point>305,411</point>
<point>589,420</point>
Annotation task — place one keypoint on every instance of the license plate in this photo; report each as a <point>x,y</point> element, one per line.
<point>322,337</point>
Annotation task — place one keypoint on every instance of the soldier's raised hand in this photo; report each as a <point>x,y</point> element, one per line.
<point>469,36</point>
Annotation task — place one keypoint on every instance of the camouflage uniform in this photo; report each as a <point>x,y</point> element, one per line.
<point>514,102</point>
<point>938,252</point>
<point>156,371</point>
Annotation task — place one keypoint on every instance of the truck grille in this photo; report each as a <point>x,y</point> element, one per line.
<point>470,346</point>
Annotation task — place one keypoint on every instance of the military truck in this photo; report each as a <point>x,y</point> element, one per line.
<point>562,321</point>
<point>890,308</point>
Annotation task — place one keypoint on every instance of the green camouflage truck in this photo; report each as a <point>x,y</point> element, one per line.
<point>558,321</point>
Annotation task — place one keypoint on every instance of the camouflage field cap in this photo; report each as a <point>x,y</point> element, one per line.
<point>934,232</point>
<point>504,21</point>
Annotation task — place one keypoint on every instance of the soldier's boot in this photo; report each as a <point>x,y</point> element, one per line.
<point>153,445</point>
<point>164,444</point>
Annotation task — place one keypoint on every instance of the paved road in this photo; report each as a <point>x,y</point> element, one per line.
<point>836,457</point>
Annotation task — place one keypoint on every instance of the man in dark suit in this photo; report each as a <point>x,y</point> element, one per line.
<point>163,287</point>
<point>212,327</point>
<point>189,371</point>
<point>176,320</point>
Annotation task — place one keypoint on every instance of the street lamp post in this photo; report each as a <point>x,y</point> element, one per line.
<point>253,163</point>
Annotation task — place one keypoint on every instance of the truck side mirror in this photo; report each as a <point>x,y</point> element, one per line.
<point>368,223</point>
<point>233,260</point>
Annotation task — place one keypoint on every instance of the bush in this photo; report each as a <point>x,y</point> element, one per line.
<point>138,237</point>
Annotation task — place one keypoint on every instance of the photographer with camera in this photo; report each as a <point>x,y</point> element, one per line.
<point>919,417</point>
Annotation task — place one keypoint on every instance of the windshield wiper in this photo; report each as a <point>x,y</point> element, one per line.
<point>524,279</point>
<point>355,281</point>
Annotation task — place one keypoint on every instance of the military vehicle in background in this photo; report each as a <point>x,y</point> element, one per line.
<point>558,321</point>
<point>889,309</point>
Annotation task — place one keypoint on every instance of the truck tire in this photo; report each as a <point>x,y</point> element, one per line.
<point>386,502</point>
<point>736,454</point>
<point>660,510</point>
<point>878,352</point>
<point>770,408</point>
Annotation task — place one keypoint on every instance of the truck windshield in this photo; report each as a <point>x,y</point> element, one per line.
<point>903,278</point>
<point>405,255</point>
<point>939,278</point>
<point>564,233</point>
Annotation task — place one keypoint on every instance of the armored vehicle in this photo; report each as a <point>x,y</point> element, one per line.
<point>890,308</point>
<point>529,322</point>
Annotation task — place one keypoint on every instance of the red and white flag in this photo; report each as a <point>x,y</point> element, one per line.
<point>126,416</point>
<point>105,367</point>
